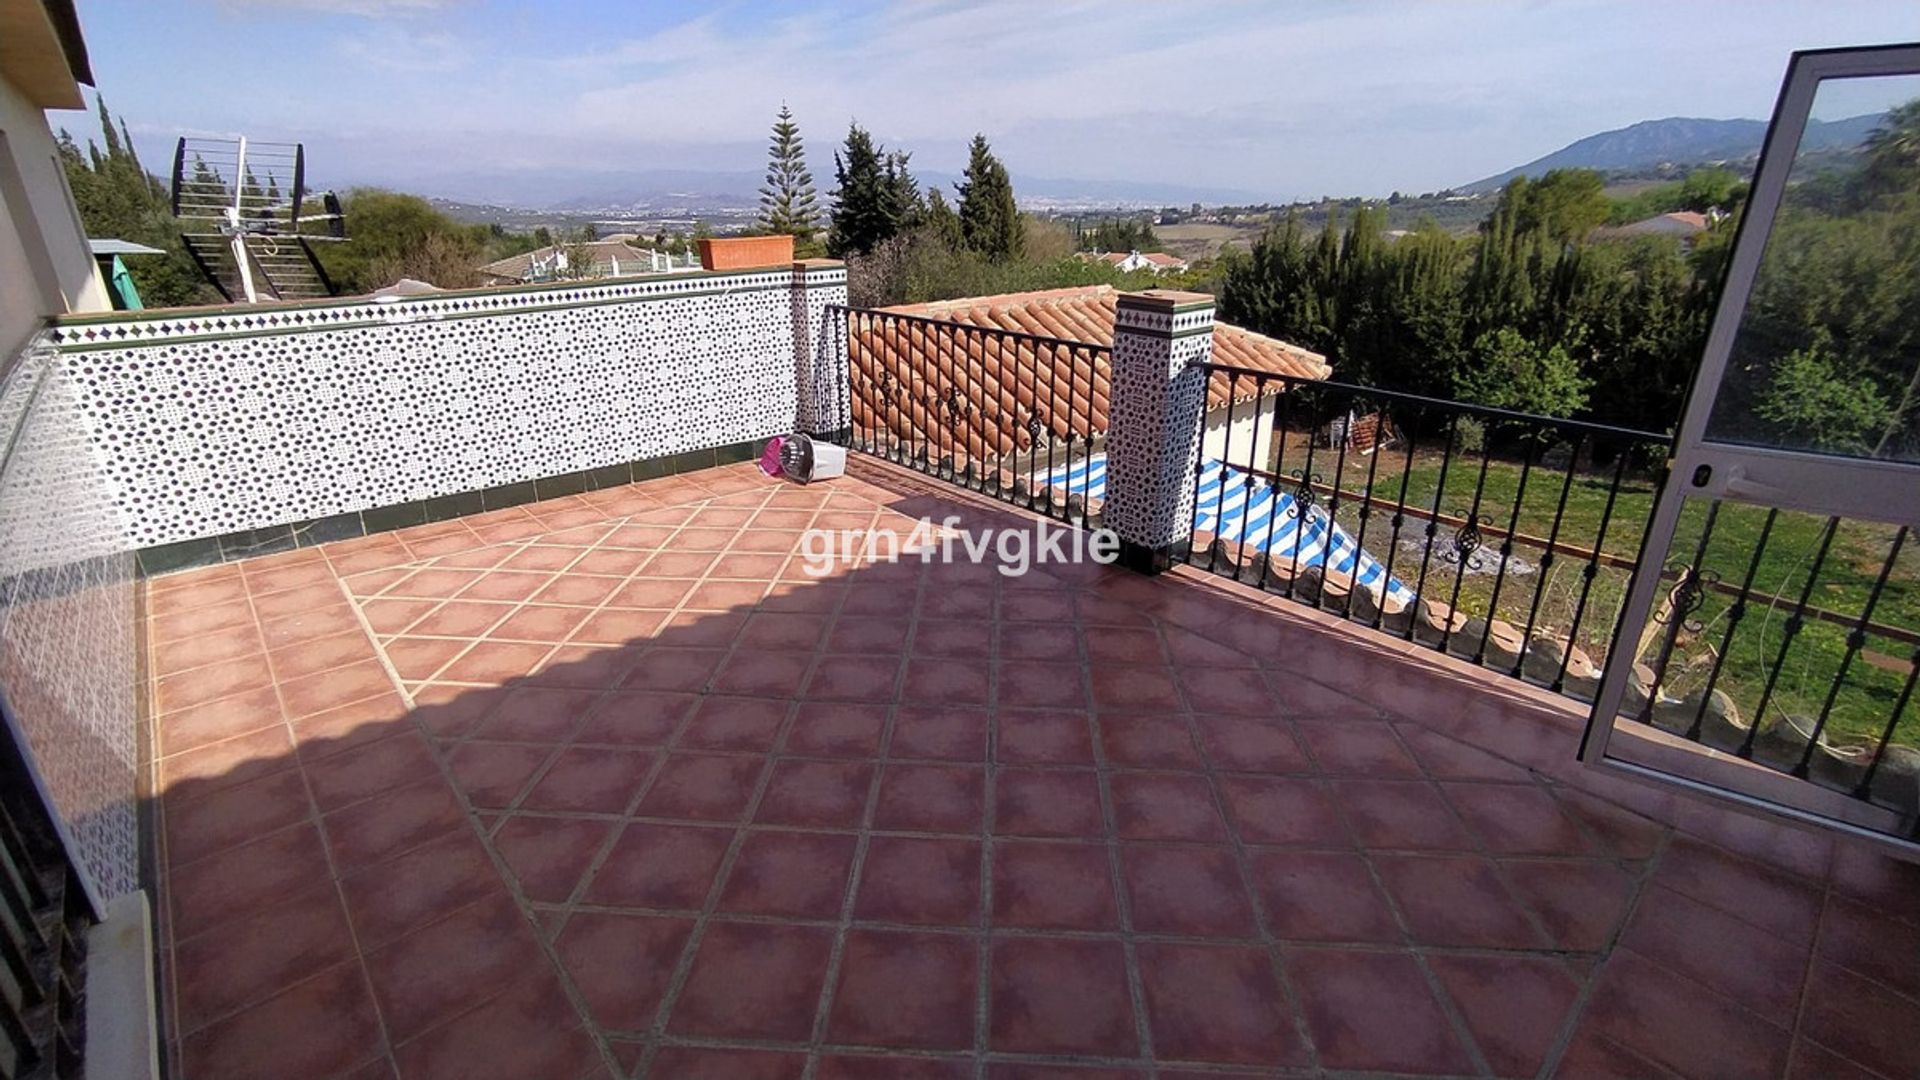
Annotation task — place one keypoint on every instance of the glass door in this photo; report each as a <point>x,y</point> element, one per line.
<point>1767,651</point>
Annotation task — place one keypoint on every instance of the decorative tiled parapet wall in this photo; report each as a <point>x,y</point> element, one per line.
<point>68,666</point>
<point>1154,427</point>
<point>217,422</point>
<point>820,347</point>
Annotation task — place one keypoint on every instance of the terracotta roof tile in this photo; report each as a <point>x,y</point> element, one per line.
<point>978,394</point>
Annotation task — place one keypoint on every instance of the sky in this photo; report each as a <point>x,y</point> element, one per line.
<point>1276,100</point>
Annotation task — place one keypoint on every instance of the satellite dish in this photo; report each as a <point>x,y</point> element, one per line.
<point>239,208</point>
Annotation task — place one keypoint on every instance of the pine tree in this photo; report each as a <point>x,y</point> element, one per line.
<point>989,220</point>
<point>787,199</point>
<point>863,213</point>
<point>941,219</point>
<point>905,211</point>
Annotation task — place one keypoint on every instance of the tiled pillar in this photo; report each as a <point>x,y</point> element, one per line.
<point>1155,418</point>
<point>820,348</point>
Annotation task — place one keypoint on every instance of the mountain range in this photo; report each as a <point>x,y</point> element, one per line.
<point>1679,140</point>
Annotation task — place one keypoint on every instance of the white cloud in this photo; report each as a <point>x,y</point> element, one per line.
<point>397,49</point>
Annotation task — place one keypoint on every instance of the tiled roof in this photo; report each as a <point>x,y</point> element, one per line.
<point>1161,258</point>
<point>1007,382</point>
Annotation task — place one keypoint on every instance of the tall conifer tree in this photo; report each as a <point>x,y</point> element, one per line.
<point>989,220</point>
<point>787,199</point>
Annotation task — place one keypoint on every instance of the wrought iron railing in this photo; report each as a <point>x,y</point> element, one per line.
<point>1500,537</point>
<point>1510,540</point>
<point>1011,415</point>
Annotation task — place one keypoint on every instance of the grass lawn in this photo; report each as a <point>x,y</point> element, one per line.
<point>1846,577</point>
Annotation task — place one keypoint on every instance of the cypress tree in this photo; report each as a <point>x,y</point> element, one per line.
<point>989,220</point>
<point>787,198</point>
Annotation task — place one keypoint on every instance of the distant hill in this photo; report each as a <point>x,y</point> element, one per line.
<point>1679,140</point>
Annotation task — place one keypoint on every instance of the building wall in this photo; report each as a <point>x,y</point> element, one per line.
<point>245,418</point>
<point>1247,440</point>
<point>44,262</point>
<point>68,667</point>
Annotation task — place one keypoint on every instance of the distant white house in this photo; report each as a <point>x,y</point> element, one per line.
<point>614,257</point>
<point>1158,262</point>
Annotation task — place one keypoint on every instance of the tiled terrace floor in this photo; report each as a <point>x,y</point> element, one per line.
<point>608,788</point>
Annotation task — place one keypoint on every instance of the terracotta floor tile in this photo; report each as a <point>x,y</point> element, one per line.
<point>784,630</point>
<point>539,622</point>
<point>590,780</point>
<point>926,882</point>
<point>1165,806</point>
<point>802,875</point>
<point>294,601</point>
<point>318,1027</point>
<point>1195,892</point>
<point>369,769</point>
<point>942,734</point>
<point>1580,901</point>
<point>417,886</point>
<point>1060,997</point>
<point>585,667</point>
<point>619,626</point>
<point>933,681</point>
<point>256,955</point>
<point>1811,1061</point>
<point>378,828</point>
<point>1861,1020</point>
<point>547,856</point>
<point>195,589</point>
<point>1242,744</point>
<point>1052,886</point>
<point>881,634</point>
<point>459,619</point>
<point>227,763</point>
<point>181,624</point>
<point>659,866</point>
<point>837,729</point>
<point>1296,812</point>
<point>1515,1006</point>
<point>734,723</point>
<point>1217,1004</point>
<point>201,825</point>
<point>1050,737</point>
<point>622,964</point>
<point>885,1067</point>
<point>1871,943</point>
<point>211,682</point>
<point>536,714</point>
<point>529,1029</point>
<point>1148,741</point>
<point>493,663</point>
<point>905,989</point>
<point>1357,748</point>
<point>451,965</point>
<point>1236,692</point>
<point>310,694</point>
<point>753,981</point>
<point>1118,685</point>
<point>335,731</point>
<point>635,717</point>
<point>931,798</point>
<point>827,794</point>
<point>491,775</point>
<point>1048,802</point>
<point>1750,965</point>
<point>1783,904</point>
<point>504,585</point>
<point>854,678</point>
<point>321,654</point>
<point>1517,819</point>
<point>1400,815</point>
<point>223,718</point>
<point>1456,901</point>
<point>246,877</point>
<point>663,667</point>
<point>698,1063</point>
<point>1373,1010</point>
<point>1322,896</point>
<point>766,674</point>
<point>231,643</point>
<point>391,616</point>
<point>1038,641</point>
<point>1450,759</point>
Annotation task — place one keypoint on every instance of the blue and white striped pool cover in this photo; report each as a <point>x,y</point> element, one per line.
<point>1270,523</point>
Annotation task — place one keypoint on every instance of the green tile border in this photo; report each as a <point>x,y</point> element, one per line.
<point>232,547</point>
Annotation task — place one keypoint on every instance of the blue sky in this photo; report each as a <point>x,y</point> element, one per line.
<point>1285,100</point>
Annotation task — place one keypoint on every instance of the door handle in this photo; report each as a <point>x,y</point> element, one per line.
<point>1739,485</point>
